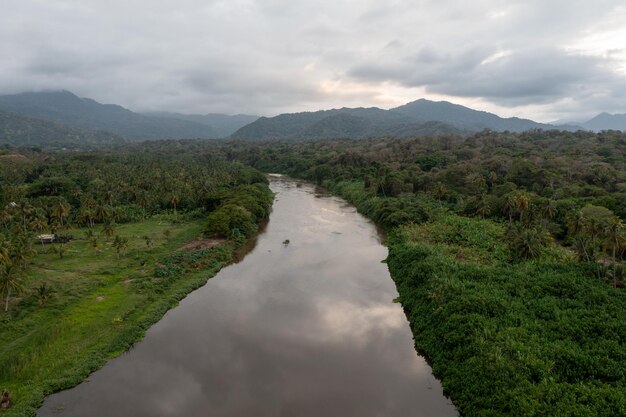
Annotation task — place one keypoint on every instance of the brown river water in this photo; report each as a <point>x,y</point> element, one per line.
<point>304,329</point>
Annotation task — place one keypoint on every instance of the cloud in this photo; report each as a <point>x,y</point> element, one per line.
<point>267,57</point>
<point>509,78</point>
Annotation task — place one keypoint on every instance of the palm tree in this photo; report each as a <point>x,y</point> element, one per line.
<point>95,243</point>
<point>20,251</point>
<point>44,293</point>
<point>522,204</point>
<point>526,242</point>
<point>440,191</point>
<point>120,243</point>
<point>483,209</point>
<point>509,206</point>
<point>10,282</point>
<point>103,213</point>
<point>26,210</point>
<point>87,215</point>
<point>108,229</point>
<point>550,210</point>
<point>174,200</point>
<point>615,240</point>
<point>60,211</point>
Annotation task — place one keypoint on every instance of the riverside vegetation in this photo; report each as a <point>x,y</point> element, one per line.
<point>508,253</point>
<point>507,250</point>
<point>122,257</point>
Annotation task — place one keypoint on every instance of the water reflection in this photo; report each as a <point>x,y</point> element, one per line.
<point>304,329</point>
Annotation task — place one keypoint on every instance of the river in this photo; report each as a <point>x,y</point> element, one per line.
<point>304,328</point>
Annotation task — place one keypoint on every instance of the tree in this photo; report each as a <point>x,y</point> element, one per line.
<point>108,229</point>
<point>484,208</point>
<point>509,206</point>
<point>615,241</point>
<point>120,243</point>
<point>61,211</point>
<point>550,210</point>
<point>44,293</point>
<point>526,242</point>
<point>10,281</point>
<point>103,213</point>
<point>594,228</point>
<point>522,204</point>
<point>440,191</point>
<point>174,200</point>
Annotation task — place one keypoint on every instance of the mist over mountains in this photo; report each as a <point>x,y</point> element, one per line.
<point>68,109</point>
<point>61,118</point>
<point>606,121</point>
<point>222,125</point>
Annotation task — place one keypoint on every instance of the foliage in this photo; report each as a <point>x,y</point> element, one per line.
<point>515,339</point>
<point>538,336</point>
<point>75,303</point>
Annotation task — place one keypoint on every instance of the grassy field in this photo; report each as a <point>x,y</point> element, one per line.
<point>101,304</point>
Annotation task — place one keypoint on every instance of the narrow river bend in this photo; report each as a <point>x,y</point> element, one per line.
<point>301,329</point>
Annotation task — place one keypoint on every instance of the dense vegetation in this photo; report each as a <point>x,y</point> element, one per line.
<point>17,130</point>
<point>418,118</point>
<point>134,232</point>
<point>508,252</point>
<point>507,249</point>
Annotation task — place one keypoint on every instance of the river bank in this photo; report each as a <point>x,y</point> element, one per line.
<point>101,303</point>
<point>542,337</point>
<point>304,325</point>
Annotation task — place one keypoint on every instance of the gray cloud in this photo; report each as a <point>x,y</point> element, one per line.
<point>531,76</point>
<point>267,57</point>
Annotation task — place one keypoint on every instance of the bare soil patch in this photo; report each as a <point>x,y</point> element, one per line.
<point>203,244</point>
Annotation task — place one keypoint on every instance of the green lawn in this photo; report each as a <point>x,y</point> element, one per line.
<point>100,305</point>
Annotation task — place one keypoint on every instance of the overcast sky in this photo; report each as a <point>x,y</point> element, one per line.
<point>542,59</point>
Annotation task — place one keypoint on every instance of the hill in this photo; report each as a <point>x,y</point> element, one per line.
<point>68,109</point>
<point>606,121</point>
<point>17,130</point>
<point>464,118</point>
<point>419,118</point>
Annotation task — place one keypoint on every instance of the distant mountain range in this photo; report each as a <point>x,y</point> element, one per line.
<point>46,118</point>
<point>17,130</point>
<point>223,125</point>
<point>606,121</point>
<point>418,118</point>
<point>70,110</point>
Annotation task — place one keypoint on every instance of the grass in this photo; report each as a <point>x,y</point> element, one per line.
<point>101,305</point>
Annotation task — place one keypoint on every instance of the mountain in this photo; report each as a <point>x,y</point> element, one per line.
<point>606,121</point>
<point>465,118</point>
<point>17,130</point>
<point>68,109</point>
<point>418,118</point>
<point>222,124</point>
<point>339,123</point>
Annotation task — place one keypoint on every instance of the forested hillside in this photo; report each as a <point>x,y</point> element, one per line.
<point>418,118</point>
<point>22,131</point>
<point>83,113</point>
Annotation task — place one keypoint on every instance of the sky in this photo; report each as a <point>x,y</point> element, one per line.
<point>540,59</point>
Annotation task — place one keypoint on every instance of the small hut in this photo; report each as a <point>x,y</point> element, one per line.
<point>46,238</point>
